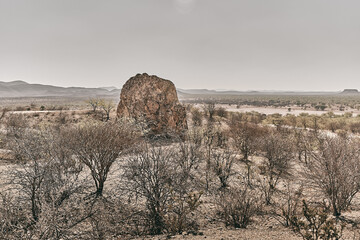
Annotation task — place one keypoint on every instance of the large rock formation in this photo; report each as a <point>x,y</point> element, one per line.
<point>153,100</point>
<point>350,91</point>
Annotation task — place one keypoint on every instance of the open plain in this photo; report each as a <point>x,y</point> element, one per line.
<point>226,153</point>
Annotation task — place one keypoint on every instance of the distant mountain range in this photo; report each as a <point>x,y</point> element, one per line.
<point>24,89</point>
<point>194,92</point>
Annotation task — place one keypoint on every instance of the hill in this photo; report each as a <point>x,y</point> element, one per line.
<point>350,91</point>
<point>24,89</point>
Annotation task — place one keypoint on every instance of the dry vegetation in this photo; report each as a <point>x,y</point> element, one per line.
<point>83,174</point>
<point>330,102</point>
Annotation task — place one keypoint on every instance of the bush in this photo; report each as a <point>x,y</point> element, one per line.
<point>163,180</point>
<point>196,117</point>
<point>209,110</point>
<point>48,187</point>
<point>222,165</point>
<point>3,113</point>
<point>98,145</point>
<point>14,219</point>
<point>354,127</point>
<point>333,169</point>
<point>288,205</point>
<point>221,112</point>
<point>315,224</point>
<point>180,210</point>
<point>237,207</point>
<point>277,152</point>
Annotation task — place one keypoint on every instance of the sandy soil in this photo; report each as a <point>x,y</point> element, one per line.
<point>228,234</point>
<point>263,227</point>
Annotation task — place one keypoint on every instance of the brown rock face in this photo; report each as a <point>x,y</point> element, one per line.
<point>153,100</point>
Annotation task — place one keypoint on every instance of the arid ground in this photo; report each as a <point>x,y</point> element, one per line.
<point>265,159</point>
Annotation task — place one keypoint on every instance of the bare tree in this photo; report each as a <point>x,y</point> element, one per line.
<point>300,138</point>
<point>314,224</point>
<point>15,124</point>
<point>277,153</point>
<point>213,138</point>
<point>3,113</point>
<point>94,103</point>
<point>354,127</point>
<point>14,220</point>
<point>185,196</point>
<point>107,106</point>
<point>210,110</point>
<point>31,147</point>
<point>237,206</point>
<point>196,116</point>
<point>304,120</point>
<point>222,165</point>
<point>334,169</point>
<point>47,185</point>
<point>221,112</point>
<point>149,174</point>
<point>98,145</point>
<point>164,179</point>
<point>288,205</point>
<point>245,137</point>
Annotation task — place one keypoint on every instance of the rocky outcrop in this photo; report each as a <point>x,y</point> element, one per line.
<point>154,101</point>
<point>350,91</point>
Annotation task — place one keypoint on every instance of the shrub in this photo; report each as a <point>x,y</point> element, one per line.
<point>221,112</point>
<point>237,207</point>
<point>163,179</point>
<point>14,219</point>
<point>288,205</point>
<point>209,110</point>
<point>315,224</point>
<point>334,169</point>
<point>98,145</point>
<point>354,127</point>
<point>222,165</point>
<point>3,113</point>
<point>180,209</point>
<point>196,117</point>
<point>48,187</point>
<point>277,152</point>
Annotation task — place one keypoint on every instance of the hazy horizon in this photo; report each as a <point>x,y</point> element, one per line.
<point>301,45</point>
<point>208,89</point>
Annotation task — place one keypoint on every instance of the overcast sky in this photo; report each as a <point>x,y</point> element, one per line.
<point>213,44</point>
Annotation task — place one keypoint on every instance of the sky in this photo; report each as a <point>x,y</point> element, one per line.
<point>299,45</point>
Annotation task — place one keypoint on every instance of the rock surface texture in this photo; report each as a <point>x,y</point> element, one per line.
<point>154,101</point>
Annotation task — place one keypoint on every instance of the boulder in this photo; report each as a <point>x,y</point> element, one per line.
<point>153,101</point>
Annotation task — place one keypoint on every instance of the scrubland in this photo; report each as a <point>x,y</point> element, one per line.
<point>77,172</point>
